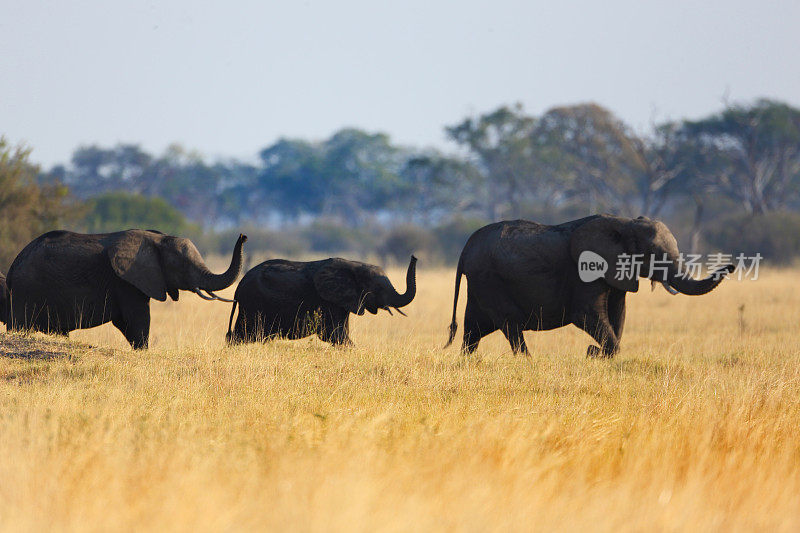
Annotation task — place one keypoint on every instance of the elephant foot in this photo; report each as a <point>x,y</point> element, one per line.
<point>595,352</point>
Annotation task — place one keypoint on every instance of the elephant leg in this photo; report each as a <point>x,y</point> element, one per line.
<point>271,326</point>
<point>502,309</point>
<point>42,318</point>
<point>251,327</point>
<point>476,326</point>
<point>134,323</point>
<point>137,329</point>
<point>599,327</point>
<point>54,327</point>
<point>336,328</point>
<point>616,311</point>
<point>513,333</point>
<point>120,324</point>
<point>264,327</point>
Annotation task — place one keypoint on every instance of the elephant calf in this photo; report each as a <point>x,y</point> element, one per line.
<point>63,281</point>
<point>293,299</point>
<point>524,276</point>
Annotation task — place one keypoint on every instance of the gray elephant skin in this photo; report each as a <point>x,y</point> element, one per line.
<point>63,281</point>
<point>524,276</point>
<point>3,299</point>
<point>292,299</point>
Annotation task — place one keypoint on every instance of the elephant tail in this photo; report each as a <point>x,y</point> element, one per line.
<point>454,322</point>
<point>229,335</point>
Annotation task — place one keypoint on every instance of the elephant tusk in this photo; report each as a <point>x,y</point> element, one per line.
<point>388,311</point>
<point>200,294</point>
<point>220,298</point>
<point>669,289</point>
<point>399,311</point>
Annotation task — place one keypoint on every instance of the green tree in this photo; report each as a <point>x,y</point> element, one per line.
<point>435,186</point>
<point>117,211</point>
<point>96,170</point>
<point>346,177</point>
<point>290,180</point>
<point>362,173</point>
<point>27,209</point>
<point>186,181</point>
<point>750,153</point>
<point>600,158</point>
<point>500,143</point>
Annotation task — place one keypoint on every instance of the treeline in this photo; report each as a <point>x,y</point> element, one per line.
<point>357,191</point>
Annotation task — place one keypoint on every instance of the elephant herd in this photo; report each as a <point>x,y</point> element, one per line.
<point>521,276</point>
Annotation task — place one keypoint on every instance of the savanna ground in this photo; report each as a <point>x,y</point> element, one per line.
<point>694,425</point>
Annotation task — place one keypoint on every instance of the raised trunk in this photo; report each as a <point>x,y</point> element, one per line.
<point>401,300</point>
<point>693,287</point>
<point>217,282</point>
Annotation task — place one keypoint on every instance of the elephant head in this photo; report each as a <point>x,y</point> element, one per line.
<point>161,265</point>
<point>3,299</point>
<point>358,286</point>
<point>616,238</point>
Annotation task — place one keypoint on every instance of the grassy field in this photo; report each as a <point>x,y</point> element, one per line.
<point>694,425</point>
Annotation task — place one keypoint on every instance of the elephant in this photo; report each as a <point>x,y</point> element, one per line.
<point>3,299</point>
<point>292,299</point>
<point>525,276</point>
<point>63,281</point>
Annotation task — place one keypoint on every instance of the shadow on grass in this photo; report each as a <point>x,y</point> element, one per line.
<point>32,348</point>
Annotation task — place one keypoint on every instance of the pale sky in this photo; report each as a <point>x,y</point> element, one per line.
<point>229,78</point>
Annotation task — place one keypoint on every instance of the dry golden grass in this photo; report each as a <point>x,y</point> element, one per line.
<point>694,425</point>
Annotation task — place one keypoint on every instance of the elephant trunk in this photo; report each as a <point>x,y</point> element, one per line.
<point>681,282</point>
<point>401,300</point>
<point>216,282</point>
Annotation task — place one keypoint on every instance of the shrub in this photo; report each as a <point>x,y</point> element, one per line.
<point>452,236</point>
<point>119,211</point>
<point>402,241</point>
<point>261,243</point>
<point>331,237</point>
<point>776,235</point>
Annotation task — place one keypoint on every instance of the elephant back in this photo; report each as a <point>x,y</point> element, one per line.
<point>275,279</point>
<point>52,252</point>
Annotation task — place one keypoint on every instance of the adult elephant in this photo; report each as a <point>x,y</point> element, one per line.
<point>525,276</point>
<point>63,281</point>
<point>293,299</point>
<point>3,299</point>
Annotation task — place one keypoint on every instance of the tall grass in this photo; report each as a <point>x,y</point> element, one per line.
<point>694,425</point>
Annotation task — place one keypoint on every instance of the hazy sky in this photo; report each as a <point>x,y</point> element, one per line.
<point>228,78</point>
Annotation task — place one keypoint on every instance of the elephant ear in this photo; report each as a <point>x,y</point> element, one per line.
<point>338,285</point>
<point>135,258</point>
<point>611,239</point>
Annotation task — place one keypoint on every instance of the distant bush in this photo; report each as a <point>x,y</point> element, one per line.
<point>452,236</point>
<point>402,241</point>
<point>776,236</point>
<point>119,211</point>
<point>331,237</point>
<point>261,243</point>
